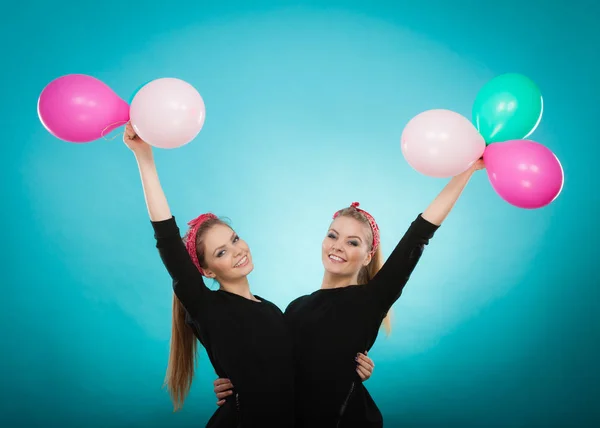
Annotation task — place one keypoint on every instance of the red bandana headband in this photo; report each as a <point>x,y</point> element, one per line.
<point>372,223</point>
<point>190,243</point>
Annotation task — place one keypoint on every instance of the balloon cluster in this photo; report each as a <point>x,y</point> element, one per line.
<point>169,113</point>
<point>77,108</point>
<point>507,110</point>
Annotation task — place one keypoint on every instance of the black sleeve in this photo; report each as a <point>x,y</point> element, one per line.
<point>389,282</point>
<point>188,283</point>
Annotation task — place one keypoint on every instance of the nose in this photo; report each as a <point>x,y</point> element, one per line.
<point>237,251</point>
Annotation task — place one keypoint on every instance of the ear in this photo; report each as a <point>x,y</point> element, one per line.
<point>367,259</point>
<point>209,274</point>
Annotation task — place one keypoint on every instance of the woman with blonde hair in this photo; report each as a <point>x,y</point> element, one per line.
<point>344,316</point>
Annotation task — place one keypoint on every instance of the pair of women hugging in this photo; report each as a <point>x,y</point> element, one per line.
<point>296,368</point>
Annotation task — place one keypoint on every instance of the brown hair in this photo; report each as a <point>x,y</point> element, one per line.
<point>184,347</point>
<point>369,271</point>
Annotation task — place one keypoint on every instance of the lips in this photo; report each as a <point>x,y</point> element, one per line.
<point>336,259</point>
<point>242,262</point>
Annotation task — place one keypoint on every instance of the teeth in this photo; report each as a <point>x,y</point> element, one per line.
<point>336,258</point>
<point>242,261</point>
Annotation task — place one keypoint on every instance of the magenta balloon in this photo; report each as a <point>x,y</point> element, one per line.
<point>441,143</point>
<point>78,108</point>
<point>524,173</point>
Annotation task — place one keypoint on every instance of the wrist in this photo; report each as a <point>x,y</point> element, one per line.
<point>465,175</point>
<point>143,156</point>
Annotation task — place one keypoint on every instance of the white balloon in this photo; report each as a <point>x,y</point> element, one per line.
<point>441,143</point>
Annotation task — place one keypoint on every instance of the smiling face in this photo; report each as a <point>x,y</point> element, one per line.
<point>346,248</point>
<point>226,257</point>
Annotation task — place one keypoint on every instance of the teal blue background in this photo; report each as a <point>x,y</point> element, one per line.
<point>499,326</point>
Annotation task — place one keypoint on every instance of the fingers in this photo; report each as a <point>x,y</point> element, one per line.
<point>363,373</point>
<point>479,164</point>
<point>220,402</point>
<point>129,133</point>
<point>365,362</point>
<point>364,366</point>
<point>223,388</point>
<point>221,381</point>
<point>225,394</point>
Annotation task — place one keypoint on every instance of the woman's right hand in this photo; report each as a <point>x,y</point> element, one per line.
<point>135,143</point>
<point>223,389</point>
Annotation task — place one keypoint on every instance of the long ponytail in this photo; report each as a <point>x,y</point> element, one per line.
<point>182,358</point>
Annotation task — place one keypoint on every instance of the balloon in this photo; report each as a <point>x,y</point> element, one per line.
<point>79,108</point>
<point>167,113</point>
<point>524,173</point>
<point>508,107</point>
<point>441,143</point>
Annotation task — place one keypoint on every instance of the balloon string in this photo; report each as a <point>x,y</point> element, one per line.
<point>120,134</point>
<point>120,123</point>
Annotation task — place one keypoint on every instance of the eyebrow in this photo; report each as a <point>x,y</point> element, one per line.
<point>223,246</point>
<point>357,237</point>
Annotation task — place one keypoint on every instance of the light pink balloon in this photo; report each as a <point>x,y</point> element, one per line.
<point>524,173</point>
<point>441,143</point>
<point>78,108</point>
<point>167,113</point>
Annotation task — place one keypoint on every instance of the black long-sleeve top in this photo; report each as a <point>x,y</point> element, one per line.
<point>246,341</point>
<point>330,326</point>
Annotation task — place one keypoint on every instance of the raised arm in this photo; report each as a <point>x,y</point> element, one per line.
<point>156,201</point>
<point>441,206</point>
<point>187,280</point>
<point>389,282</point>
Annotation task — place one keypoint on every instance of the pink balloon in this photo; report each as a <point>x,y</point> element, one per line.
<point>524,173</point>
<point>441,143</point>
<point>79,108</point>
<point>167,113</point>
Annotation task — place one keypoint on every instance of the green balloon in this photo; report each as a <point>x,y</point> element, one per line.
<point>508,107</point>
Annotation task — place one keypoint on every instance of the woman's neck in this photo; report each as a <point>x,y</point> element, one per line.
<point>331,280</point>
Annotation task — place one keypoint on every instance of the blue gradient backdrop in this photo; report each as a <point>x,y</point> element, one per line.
<point>499,326</point>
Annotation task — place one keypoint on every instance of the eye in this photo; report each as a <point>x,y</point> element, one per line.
<point>221,253</point>
<point>331,235</point>
<point>353,243</point>
<point>236,238</point>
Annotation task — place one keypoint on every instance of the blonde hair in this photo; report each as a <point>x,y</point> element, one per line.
<point>182,357</point>
<point>368,272</point>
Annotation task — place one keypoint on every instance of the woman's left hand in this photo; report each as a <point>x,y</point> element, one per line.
<point>364,366</point>
<point>478,165</point>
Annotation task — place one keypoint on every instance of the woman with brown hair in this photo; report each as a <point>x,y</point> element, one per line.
<point>245,335</point>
